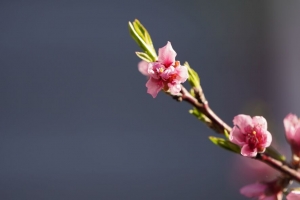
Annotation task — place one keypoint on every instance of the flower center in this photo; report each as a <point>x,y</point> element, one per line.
<point>252,139</point>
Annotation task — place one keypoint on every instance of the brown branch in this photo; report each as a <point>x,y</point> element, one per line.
<point>279,166</point>
<point>219,126</point>
<point>201,104</point>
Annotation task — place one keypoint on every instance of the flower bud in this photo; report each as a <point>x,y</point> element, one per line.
<point>292,132</point>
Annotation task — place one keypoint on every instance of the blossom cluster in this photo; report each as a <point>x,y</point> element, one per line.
<point>252,136</point>
<point>166,73</point>
<point>249,136</point>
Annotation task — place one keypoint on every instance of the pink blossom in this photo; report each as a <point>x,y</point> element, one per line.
<point>293,195</point>
<point>143,67</point>
<point>262,191</point>
<point>165,73</point>
<point>292,132</point>
<point>251,134</point>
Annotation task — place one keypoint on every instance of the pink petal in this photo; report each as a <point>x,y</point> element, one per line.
<point>236,136</point>
<point>291,122</point>
<point>261,122</point>
<point>268,139</point>
<point>154,86</point>
<point>253,190</point>
<point>242,121</point>
<point>294,195</point>
<point>272,197</point>
<point>168,72</point>
<point>295,142</point>
<point>174,88</point>
<point>143,67</point>
<point>182,73</point>
<point>246,151</point>
<point>166,55</point>
<point>153,69</point>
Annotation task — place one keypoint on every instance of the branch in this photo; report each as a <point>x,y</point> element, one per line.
<point>279,166</point>
<point>219,126</point>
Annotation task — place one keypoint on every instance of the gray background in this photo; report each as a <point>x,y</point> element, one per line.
<point>76,121</point>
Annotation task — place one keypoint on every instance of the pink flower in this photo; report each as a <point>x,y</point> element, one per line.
<point>251,134</point>
<point>262,191</point>
<point>292,132</point>
<point>165,73</point>
<point>293,195</point>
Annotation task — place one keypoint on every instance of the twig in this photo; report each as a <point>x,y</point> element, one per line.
<point>220,126</point>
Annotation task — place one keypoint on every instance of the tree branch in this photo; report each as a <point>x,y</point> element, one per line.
<point>220,126</point>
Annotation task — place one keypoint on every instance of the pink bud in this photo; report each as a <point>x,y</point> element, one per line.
<point>293,195</point>
<point>165,73</point>
<point>262,191</point>
<point>292,132</point>
<point>250,134</point>
<point>253,190</point>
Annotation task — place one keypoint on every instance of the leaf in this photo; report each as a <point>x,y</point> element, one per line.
<point>136,34</point>
<point>275,154</point>
<point>225,144</point>
<point>142,31</point>
<point>143,56</point>
<point>199,115</point>
<point>226,134</point>
<point>193,78</point>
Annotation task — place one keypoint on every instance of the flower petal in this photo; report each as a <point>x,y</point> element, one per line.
<point>168,72</point>
<point>236,136</point>
<point>242,121</point>
<point>260,122</point>
<point>247,151</point>
<point>174,88</point>
<point>295,142</point>
<point>253,190</point>
<point>166,55</point>
<point>268,139</point>
<point>154,86</point>
<point>272,197</point>
<point>182,73</point>
<point>143,67</point>
<point>291,122</point>
<point>293,195</point>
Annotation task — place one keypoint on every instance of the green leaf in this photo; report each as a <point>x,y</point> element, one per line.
<point>142,31</point>
<point>193,79</point>
<point>226,134</point>
<point>199,115</point>
<point>143,56</point>
<point>275,154</point>
<point>225,144</point>
<point>138,34</point>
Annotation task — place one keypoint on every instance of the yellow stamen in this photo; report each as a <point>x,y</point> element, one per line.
<point>254,132</point>
<point>161,70</point>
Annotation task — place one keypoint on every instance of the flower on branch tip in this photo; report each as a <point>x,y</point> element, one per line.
<point>293,195</point>
<point>166,73</point>
<point>292,132</point>
<point>262,191</point>
<point>250,134</point>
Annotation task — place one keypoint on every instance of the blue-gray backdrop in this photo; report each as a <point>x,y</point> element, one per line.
<point>76,122</point>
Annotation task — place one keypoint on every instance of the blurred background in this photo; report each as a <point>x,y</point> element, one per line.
<point>76,121</point>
